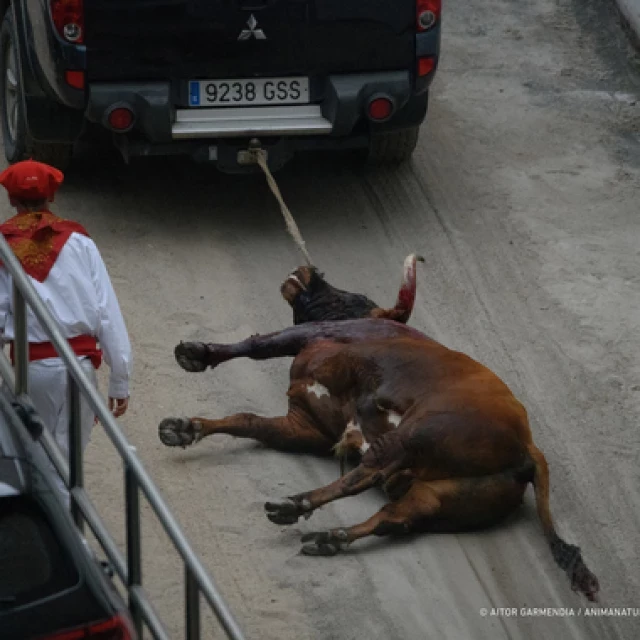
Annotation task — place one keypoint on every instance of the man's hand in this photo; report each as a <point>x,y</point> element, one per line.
<point>118,406</point>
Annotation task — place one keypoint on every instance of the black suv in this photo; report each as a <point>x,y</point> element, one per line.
<point>52,587</point>
<point>203,77</point>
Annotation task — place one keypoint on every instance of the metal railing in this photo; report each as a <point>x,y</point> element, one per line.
<point>197,581</point>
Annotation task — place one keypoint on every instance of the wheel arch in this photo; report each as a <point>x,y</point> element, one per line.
<point>40,131</point>
<point>47,120</point>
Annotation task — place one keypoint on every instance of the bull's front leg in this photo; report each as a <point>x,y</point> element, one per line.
<point>288,433</point>
<point>198,356</point>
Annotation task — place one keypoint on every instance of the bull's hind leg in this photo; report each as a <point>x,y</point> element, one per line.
<point>289,510</point>
<point>394,518</point>
<point>444,505</point>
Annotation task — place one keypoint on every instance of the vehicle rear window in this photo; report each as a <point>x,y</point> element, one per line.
<point>33,564</point>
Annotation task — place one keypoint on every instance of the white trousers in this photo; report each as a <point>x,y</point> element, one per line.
<point>48,389</point>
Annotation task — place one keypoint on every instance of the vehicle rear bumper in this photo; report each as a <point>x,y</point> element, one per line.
<point>224,151</point>
<point>337,109</point>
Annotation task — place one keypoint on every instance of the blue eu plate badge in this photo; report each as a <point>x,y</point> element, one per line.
<point>194,93</point>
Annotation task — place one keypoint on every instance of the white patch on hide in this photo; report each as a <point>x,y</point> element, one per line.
<point>394,418</point>
<point>352,425</point>
<point>318,390</point>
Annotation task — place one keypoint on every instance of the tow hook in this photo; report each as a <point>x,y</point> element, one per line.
<point>255,154</point>
<point>250,154</point>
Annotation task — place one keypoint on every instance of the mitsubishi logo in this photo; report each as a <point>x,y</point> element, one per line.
<point>246,34</point>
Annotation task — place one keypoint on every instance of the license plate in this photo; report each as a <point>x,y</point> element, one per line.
<point>244,92</point>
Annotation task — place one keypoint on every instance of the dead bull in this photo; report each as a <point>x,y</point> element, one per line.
<point>439,432</point>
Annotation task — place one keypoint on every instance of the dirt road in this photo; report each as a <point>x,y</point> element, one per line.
<point>524,197</point>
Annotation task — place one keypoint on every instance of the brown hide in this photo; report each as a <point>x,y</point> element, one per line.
<point>441,433</point>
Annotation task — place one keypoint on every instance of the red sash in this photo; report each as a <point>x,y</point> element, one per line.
<point>81,345</point>
<point>37,239</point>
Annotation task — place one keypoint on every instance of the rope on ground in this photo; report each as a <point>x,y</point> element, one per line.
<point>292,227</point>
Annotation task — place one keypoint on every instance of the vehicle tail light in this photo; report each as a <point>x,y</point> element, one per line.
<point>380,108</point>
<point>68,18</point>
<point>120,119</point>
<point>74,79</point>
<point>427,13</point>
<point>116,628</point>
<point>426,66</point>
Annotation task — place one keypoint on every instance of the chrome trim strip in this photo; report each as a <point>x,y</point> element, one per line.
<point>249,121</point>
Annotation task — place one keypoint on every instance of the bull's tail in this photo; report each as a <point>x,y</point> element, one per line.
<point>407,294</point>
<point>567,556</point>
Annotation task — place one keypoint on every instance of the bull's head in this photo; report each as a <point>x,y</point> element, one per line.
<point>312,298</point>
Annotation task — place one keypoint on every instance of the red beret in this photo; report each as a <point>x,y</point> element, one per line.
<point>30,180</point>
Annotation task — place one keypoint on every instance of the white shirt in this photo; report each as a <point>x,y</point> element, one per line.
<point>78,293</point>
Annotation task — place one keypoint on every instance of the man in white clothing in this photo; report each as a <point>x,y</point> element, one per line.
<point>67,271</point>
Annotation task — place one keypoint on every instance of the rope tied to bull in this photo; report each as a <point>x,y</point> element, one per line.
<point>256,154</point>
<point>259,156</point>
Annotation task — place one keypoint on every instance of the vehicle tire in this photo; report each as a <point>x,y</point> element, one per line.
<point>393,147</point>
<point>13,122</point>
<point>18,145</point>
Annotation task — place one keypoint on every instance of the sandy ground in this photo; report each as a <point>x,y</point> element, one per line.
<point>524,198</point>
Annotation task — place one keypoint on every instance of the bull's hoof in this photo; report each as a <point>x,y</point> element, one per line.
<point>179,432</point>
<point>324,543</point>
<point>192,356</point>
<point>287,511</point>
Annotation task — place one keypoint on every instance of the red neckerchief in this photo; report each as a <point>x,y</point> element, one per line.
<point>37,239</point>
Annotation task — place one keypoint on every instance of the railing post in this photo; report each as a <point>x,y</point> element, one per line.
<point>20,342</point>
<point>192,606</point>
<point>134,549</point>
<point>76,472</point>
